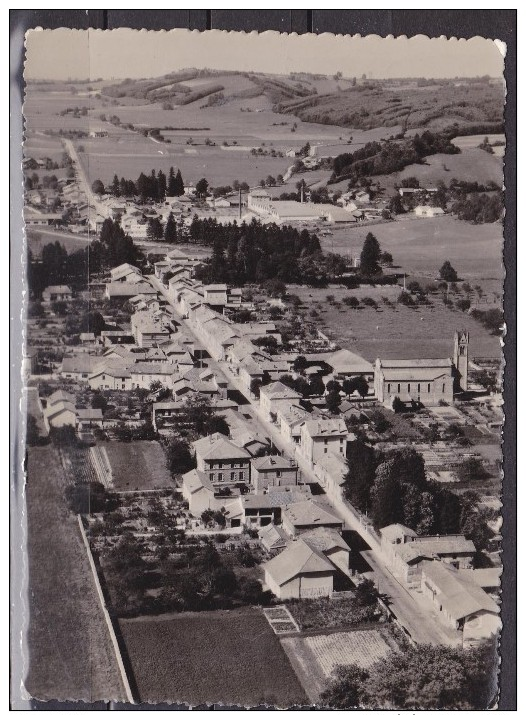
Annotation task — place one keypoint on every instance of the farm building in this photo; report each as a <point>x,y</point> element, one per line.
<point>60,414</point>
<point>422,381</point>
<point>273,538</point>
<point>428,211</point>
<point>299,571</point>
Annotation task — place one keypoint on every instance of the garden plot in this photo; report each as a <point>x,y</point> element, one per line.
<point>281,620</point>
<point>363,648</point>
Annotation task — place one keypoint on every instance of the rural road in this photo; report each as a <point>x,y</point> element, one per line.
<point>413,616</point>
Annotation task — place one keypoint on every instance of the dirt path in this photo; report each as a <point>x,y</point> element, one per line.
<point>70,652</point>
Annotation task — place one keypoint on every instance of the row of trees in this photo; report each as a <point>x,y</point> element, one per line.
<point>155,186</point>
<point>392,488</point>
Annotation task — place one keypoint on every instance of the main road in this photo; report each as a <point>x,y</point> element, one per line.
<point>415,616</point>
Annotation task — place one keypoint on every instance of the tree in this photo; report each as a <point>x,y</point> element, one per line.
<point>317,386</point>
<point>448,273</point>
<point>395,205</point>
<point>155,229</point>
<point>427,677</point>
<point>333,386</point>
<point>360,478</point>
<point>98,187</point>
<point>345,690</point>
<point>370,256</point>
<point>161,185</point>
<point>201,188</point>
<point>99,402</point>
<point>115,186</point>
<point>170,230</point>
<point>255,386</point>
<point>218,423</point>
<point>333,401</point>
<point>300,364</point>
<point>179,458</point>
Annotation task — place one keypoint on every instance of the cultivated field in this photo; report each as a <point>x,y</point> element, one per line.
<point>70,653</point>
<point>314,657</point>
<point>138,465</point>
<point>363,648</point>
<point>218,657</point>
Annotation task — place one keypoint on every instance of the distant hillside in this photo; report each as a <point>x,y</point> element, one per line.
<point>326,100</point>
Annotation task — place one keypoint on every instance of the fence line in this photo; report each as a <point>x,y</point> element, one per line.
<point>107,617</point>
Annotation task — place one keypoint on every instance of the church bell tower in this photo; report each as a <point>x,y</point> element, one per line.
<point>460,358</point>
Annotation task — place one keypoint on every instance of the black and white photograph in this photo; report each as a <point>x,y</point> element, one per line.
<point>262,403</point>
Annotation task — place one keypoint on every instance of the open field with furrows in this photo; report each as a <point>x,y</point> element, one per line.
<point>314,657</point>
<point>394,331</point>
<point>70,653</point>
<point>363,648</point>
<point>216,657</point>
<point>138,465</point>
<point>421,245</point>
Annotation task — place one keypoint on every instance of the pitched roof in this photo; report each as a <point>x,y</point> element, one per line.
<point>274,499</point>
<point>64,290</point>
<point>324,540</point>
<point>60,396</point>
<point>297,558</point>
<point>196,480</point>
<point>277,390</point>
<point>58,407</point>
<point>326,428</point>
<point>89,414</point>
<point>218,446</point>
<point>309,513</point>
<point>458,594</point>
<point>396,531</point>
<point>272,537</point>
<point>346,361</point>
<point>433,547</point>
<point>79,363</point>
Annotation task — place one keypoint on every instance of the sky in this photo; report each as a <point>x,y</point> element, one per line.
<point>89,54</point>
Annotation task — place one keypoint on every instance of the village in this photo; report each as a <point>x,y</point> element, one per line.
<point>271,429</point>
<point>277,468</point>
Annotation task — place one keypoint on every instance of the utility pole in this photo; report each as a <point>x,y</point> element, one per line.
<point>240,204</point>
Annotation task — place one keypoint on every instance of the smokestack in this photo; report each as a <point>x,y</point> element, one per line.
<point>301,193</point>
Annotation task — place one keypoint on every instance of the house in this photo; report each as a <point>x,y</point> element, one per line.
<point>55,294</point>
<point>290,418</point>
<point>111,377</point>
<point>422,381</point>
<point>256,510</point>
<point>346,364</point>
<point>59,396</point>
<point>272,396</point>
<point>123,290</point>
<point>121,273</point>
<point>200,493</point>
<point>429,211</point>
<point>299,571</point>
<point>222,461</point>
<point>459,601</point>
<point>319,437</point>
<point>406,552</point>
<point>89,418</point>
<point>78,367</point>
<point>142,374</point>
<point>60,414</point>
<point>147,330</point>
<point>273,471</point>
<point>304,516</point>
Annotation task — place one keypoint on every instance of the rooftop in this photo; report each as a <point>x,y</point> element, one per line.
<point>458,594</point>
<point>309,513</point>
<point>217,446</point>
<point>297,558</point>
